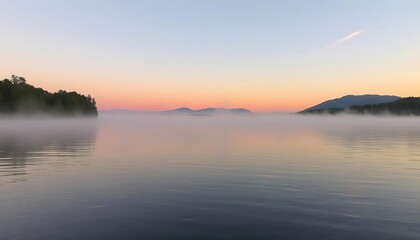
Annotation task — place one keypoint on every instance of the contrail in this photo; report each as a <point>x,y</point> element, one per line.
<point>346,38</point>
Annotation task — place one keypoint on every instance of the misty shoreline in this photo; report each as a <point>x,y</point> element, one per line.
<point>102,114</point>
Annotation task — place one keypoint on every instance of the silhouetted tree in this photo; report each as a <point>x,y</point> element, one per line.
<point>18,96</point>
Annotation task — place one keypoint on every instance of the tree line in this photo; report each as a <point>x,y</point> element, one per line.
<point>17,96</point>
<point>401,107</point>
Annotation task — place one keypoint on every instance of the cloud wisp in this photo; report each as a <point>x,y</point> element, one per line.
<point>346,38</point>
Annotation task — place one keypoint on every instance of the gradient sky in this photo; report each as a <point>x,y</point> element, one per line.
<point>262,55</point>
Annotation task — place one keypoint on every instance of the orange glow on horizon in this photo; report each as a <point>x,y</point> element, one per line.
<point>164,92</point>
<point>258,107</point>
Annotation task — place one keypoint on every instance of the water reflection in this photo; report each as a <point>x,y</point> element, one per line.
<point>39,146</point>
<point>254,177</point>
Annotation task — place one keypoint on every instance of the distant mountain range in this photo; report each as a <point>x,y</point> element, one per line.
<point>185,111</point>
<point>409,106</point>
<point>353,104</point>
<point>208,111</point>
<point>353,100</point>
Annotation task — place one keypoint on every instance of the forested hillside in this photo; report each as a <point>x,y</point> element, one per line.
<point>401,107</point>
<point>17,96</point>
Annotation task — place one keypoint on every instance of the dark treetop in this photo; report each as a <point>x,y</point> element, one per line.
<point>18,97</point>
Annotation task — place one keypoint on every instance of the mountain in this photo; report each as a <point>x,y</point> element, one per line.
<point>124,111</point>
<point>208,111</point>
<point>401,107</point>
<point>353,100</point>
<point>180,110</point>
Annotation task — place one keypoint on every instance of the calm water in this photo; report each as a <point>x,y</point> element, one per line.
<point>168,177</point>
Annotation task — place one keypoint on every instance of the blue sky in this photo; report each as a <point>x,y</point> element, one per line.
<point>200,53</point>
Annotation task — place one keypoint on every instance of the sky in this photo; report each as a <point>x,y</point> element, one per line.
<point>283,55</point>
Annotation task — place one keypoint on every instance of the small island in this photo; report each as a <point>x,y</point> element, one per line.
<point>19,97</point>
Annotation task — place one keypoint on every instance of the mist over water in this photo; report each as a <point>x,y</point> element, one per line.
<point>139,176</point>
<point>34,145</point>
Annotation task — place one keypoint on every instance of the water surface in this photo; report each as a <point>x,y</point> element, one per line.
<point>243,177</point>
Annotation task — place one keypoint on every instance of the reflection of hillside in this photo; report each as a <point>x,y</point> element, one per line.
<point>42,144</point>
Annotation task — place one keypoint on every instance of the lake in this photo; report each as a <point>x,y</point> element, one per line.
<point>274,176</point>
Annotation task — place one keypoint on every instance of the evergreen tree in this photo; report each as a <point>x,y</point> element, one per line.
<point>16,96</point>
